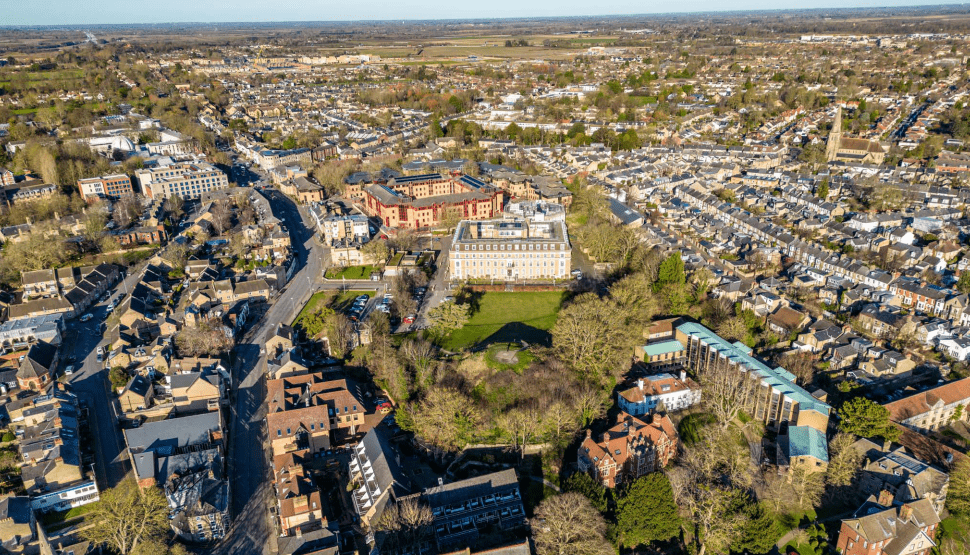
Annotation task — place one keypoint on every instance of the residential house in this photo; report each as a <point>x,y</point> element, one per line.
<point>650,392</point>
<point>376,466</point>
<point>37,367</point>
<point>306,411</point>
<point>462,511</point>
<point>933,409</point>
<point>881,528</point>
<point>17,523</point>
<point>901,474</point>
<point>630,449</point>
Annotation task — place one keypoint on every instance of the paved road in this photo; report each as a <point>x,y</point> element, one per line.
<point>90,382</point>
<point>253,530</point>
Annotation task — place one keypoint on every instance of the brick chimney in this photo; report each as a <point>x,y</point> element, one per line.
<point>905,512</point>
<point>885,498</point>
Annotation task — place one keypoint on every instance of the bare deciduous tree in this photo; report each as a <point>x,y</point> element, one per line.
<point>726,391</point>
<point>567,524</point>
<point>404,525</point>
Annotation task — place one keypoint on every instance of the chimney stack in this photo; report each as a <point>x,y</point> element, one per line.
<point>683,376</point>
<point>885,498</point>
<point>640,383</point>
<point>589,433</point>
<point>905,512</point>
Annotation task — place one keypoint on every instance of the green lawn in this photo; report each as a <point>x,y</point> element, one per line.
<point>351,272</point>
<point>498,317</point>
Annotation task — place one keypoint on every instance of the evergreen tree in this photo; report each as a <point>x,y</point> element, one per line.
<point>862,417</point>
<point>583,483</point>
<point>671,271</point>
<point>646,512</point>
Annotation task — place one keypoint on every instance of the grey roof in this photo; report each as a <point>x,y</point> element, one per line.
<point>38,361</point>
<point>315,542</point>
<point>166,436</point>
<point>383,459</point>
<point>16,507</point>
<point>472,487</point>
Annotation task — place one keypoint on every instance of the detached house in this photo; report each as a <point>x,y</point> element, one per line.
<point>630,449</point>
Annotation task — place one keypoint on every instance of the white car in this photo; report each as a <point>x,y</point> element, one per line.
<point>69,370</point>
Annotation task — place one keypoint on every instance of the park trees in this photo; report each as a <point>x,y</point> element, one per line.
<point>376,251</point>
<point>128,518</point>
<point>865,418</point>
<point>404,525</point>
<point>725,391</point>
<point>646,511</point>
<point>591,334</point>
<point>595,492</point>
<point>448,317</point>
<point>444,417</point>
<point>567,524</point>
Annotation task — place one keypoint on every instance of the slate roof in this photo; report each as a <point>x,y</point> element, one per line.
<point>39,360</point>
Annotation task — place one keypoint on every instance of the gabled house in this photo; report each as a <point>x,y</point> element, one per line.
<point>881,528</point>
<point>630,449</point>
<point>36,370</point>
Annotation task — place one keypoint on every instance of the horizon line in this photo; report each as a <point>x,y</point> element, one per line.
<point>405,20</point>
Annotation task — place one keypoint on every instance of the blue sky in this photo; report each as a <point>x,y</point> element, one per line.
<point>81,12</point>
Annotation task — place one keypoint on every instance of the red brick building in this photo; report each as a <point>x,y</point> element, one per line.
<point>630,449</point>
<point>422,201</point>
<point>883,529</point>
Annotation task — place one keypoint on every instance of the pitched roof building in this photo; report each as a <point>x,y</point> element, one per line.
<point>878,528</point>
<point>932,409</point>
<point>630,449</point>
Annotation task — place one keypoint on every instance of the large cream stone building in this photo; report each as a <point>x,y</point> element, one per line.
<point>510,250</point>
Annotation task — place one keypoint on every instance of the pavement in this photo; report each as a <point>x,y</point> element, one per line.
<point>90,382</point>
<point>253,529</point>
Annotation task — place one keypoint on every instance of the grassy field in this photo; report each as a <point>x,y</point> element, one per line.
<point>351,272</point>
<point>498,317</point>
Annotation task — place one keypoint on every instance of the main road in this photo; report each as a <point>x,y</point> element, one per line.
<point>253,529</point>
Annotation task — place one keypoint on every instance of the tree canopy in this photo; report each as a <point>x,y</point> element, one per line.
<point>865,418</point>
<point>646,511</point>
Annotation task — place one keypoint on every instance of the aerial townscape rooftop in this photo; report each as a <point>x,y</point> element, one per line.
<point>482,281</point>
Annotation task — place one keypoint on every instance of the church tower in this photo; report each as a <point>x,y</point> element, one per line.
<point>835,138</point>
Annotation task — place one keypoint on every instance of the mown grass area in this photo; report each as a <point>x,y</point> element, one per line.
<point>57,517</point>
<point>351,272</point>
<point>502,317</point>
<point>524,357</point>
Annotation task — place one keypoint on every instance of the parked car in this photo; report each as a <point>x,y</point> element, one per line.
<point>409,319</point>
<point>87,317</point>
<point>384,408</point>
<point>69,370</point>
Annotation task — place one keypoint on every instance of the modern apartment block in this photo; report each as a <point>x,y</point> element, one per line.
<point>105,186</point>
<point>188,180</point>
<point>510,250</point>
<point>423,201</point>
<point>777,397</point>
